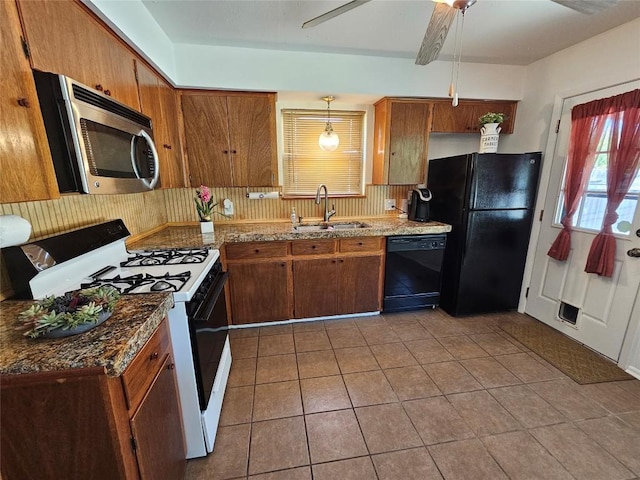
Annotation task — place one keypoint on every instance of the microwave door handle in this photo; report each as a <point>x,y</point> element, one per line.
<point>154,152</point>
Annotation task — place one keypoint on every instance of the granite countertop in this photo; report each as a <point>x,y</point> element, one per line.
<point>189,236</point>
<point>111,345</point>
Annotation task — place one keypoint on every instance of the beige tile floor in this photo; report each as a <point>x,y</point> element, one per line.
<point>417,395</point>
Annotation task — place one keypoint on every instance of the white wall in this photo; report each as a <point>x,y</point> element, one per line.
<point>602,61</point>
<point>336,74</point>
<point>133,22</point>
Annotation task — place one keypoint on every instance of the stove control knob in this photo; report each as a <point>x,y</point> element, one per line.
<point>198,297</point>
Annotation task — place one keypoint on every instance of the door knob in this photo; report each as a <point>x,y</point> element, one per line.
<point>634,252</point>
<point>638,233</point>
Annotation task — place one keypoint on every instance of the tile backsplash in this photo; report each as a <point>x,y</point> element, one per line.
<point>142,212</point>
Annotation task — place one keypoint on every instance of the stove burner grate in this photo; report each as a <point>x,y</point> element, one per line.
<point>165,257</point>
<point>141,283</point>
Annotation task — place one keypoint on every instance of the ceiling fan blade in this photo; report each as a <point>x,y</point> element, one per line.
<point>334,13</point>
<point>587,6</point>
<point>441,19</point>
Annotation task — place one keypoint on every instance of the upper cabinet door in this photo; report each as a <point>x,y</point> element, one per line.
<point>206,134</point>
<point>25,159</point>
<point>230,139</point>
<point>400,141</point>
<point>64,38</point>
<point>252,140</point>
<point>464,117</point>
<point>174,177</point>
<point>154,101</point>
<point>409,139</point>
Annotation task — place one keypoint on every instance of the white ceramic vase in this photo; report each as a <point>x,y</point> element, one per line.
<point>206,227</point>
<point>489,136</point>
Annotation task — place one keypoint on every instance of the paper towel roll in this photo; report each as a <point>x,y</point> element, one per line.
<point>261,195</point>
<point>14,230</point>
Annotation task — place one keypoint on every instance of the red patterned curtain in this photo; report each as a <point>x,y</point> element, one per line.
<point>622,114</point>
<point>587,125</point>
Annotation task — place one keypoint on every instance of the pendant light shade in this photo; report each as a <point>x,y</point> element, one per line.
<point>328,140</point>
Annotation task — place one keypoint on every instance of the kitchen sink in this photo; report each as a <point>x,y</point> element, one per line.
<point>321,227</point>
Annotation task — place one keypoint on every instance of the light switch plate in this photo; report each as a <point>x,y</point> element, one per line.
<point>228,206</point>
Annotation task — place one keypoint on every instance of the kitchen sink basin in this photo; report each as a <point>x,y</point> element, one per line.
<point>321,227</point>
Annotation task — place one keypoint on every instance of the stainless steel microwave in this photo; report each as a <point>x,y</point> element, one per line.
<point>98,144</point>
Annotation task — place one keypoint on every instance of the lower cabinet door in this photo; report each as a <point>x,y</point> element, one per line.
<point>359,284</point>
<point>315,284</point>
<point>260,292</point>
<point>157,429</point>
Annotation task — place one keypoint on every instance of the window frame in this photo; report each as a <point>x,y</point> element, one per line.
<point>559,208</point>
<point>319,105</point>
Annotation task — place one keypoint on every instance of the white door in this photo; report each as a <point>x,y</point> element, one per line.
<point>594,310</point>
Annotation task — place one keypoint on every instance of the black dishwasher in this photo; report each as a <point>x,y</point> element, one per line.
<point>413,271</point>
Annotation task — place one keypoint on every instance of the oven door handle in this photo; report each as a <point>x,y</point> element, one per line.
<point>206,308</point>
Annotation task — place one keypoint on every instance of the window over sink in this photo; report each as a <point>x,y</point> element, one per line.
<point>305,165</point>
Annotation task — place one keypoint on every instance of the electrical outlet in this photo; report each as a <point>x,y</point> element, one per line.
<point>390,204</point>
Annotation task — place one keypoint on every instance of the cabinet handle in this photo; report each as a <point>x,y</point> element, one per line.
<point>153,356</point>
<point>360,244</point>
<point>225,151</point>
<point>171,366</point>
<point>313,247</point>
<point>283,264</point>
<point>333,261</point>
<point>99,87</point>
<point>233,151</point>
<point>23,102</point>
<point>393,153</point>
<point>107,92</point>
<point>257,250</point>
<point>167,146</point>
<point>341,260</point>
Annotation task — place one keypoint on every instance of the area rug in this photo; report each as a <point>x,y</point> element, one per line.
<point>570,357</point>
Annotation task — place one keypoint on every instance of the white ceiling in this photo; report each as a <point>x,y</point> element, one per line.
<point>510,32</point>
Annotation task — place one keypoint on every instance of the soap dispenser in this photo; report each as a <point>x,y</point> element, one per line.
<point>294,217</point>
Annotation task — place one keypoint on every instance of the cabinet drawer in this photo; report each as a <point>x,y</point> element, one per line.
<point>313,247</point>
<point>361,244</point>
<point>243,251</point>
<point>143,368</point>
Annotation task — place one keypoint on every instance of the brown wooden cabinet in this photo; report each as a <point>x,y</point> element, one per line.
<point>84,424</point>
<point>63,37</point>
<point>158,101</point>
<point>271,281</point>
<point>360,283</point>
<point>25,159</point>
<point>230,138</point>
<point>315,287</point>
<point>401,138</point>
<point>347,281</point>
<point>160,454</point>
<point>260,281</point>
<point>464,117</point>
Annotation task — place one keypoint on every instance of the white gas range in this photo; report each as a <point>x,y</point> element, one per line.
<point>96,256</point>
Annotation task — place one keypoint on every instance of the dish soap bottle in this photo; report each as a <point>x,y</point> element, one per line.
<point>294,217</point>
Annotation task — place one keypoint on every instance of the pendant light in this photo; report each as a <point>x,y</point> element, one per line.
<point>328,140</point>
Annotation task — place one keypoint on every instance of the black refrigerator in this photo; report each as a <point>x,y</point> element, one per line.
<point>488,198</point>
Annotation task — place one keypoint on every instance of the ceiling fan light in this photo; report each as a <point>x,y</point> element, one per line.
<point>459,4</point>
<point>328,140</point>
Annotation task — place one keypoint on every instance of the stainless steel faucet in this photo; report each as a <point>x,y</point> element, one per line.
<point>327,213</point>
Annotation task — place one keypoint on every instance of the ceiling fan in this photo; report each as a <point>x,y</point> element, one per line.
<point>443,16</point>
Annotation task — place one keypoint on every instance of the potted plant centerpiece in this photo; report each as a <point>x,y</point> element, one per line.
<point>205,208</point>
<point>490,131</point>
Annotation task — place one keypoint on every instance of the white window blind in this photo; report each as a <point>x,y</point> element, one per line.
<point>306,166</point>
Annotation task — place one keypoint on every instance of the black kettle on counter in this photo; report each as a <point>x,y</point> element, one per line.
<point>419,204</point>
